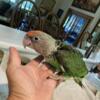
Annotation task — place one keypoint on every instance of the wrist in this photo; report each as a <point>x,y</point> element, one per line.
<point>20,97</point>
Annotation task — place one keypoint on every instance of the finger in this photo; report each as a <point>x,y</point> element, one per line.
<point>44,67</point>
<point>50,80</point>
<point>39,58</point>
<point>36,61</point>
<point>51,83</point>
<point>45,73</point>
<point>14,57</point>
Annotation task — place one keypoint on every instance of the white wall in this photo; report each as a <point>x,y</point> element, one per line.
<point>64,5</point>
<point>94,21</point>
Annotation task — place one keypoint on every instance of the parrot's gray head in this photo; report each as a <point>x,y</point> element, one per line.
<point>41,42</point>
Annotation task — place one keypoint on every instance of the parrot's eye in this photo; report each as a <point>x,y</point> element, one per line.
<point>35,38</point>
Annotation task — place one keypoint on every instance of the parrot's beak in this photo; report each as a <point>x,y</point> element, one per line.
<point>27,42</point>
<point>24,46</point>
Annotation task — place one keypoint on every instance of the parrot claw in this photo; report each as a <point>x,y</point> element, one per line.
<point>57,78</point>
<point>41,63</point>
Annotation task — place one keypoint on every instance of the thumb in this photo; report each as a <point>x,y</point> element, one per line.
<point>14,57</point>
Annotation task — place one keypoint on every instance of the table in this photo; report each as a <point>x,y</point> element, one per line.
<point>10,37</point>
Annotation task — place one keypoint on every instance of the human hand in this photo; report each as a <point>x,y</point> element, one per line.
<point>28,82</point>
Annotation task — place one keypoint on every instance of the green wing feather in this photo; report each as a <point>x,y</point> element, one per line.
<point>55,65</point>
<point>72,61</point>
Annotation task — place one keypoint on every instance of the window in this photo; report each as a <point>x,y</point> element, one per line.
<point>74,26</point>
<point>12,1</point>
<point>26,4</point>
<point>74,23</point>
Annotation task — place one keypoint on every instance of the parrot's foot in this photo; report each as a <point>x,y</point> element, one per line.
<point>55,76</point>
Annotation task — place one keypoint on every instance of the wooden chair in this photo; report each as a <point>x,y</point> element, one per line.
<point>26,16</point>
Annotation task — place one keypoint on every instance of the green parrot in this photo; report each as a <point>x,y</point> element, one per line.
<point>65,60</point>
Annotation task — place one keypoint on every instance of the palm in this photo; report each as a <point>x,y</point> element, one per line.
<point>30,79</point>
